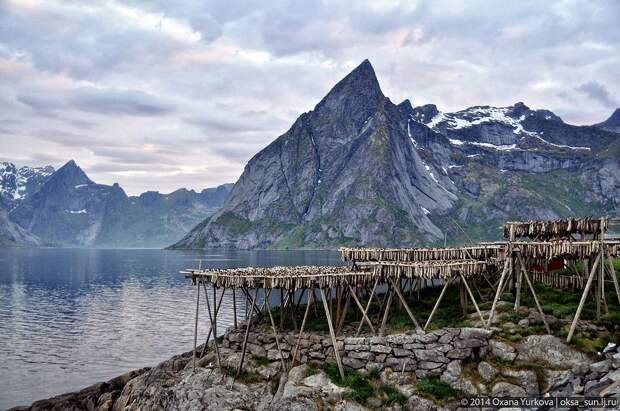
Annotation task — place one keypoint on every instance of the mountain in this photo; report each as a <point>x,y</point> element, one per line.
<point>360,170</point>
<point>16,184</point>
<point>69,209</point>
<point>12,235</point>
<point>612,123</point>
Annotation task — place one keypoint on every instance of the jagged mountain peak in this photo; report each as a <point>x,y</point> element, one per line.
<point>406,105</point>
<point>612,123</point>
<point>71,173</point>
<point>360,86</point>
<point>16,184</point>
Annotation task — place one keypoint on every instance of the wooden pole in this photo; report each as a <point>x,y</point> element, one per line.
<point>338,305</point>
<point>499,291</point>
<point>443,291</point>
<point>196,321</point>
<point>253,303</point>
<point>583,299</point>
<point>247,332</point>
<point>404,303</point>
<point>365,313</point>
<point>519,281</point>
<point>473,300</point>
<point>213,321</point>
<point>214,303</point>
<point>291,304</point>
<point>275,334</point>
<point>217,310</point>
<point>359,305</point>
<point>463,297</point>
<point>533,291</point>
<point>282,308</point>
<point>234,298</point>
<point>614,279</point>
<point>303,324</point>
<point>388,305</point>
<point>332,334</point>
<point>343,315</point>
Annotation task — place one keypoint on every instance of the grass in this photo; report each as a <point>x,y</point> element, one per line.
<point>432,387</point>
<point>363,386</point>
<point>261,360</point>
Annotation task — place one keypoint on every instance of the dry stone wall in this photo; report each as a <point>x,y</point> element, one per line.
<point>422,353</point>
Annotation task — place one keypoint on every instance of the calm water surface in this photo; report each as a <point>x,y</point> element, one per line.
<point>73,317</point>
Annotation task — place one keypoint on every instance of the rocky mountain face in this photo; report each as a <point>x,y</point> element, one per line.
<point>360,170</point>
<point>612,123</point>
<point>69,209</point>
<point>16,184</point>
<point>12,234</point>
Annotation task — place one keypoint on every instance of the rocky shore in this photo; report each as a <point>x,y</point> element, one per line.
<point>396,371</point>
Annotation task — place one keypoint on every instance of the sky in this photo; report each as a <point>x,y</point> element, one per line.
<point>158,95</point>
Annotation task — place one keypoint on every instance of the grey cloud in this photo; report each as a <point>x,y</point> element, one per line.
<point>65,138</point>
<point>597,91</point>
<point>121,102</point>
<point>38,102</point>
<point>110,83</point>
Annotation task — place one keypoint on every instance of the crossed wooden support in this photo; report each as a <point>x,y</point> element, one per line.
<point>347,291</point>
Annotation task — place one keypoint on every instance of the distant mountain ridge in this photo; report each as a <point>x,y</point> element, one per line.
<point>66,208</point>
<point>18,183</point>
<point>360,170</point>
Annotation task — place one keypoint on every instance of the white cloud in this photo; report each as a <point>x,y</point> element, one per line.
<point>138,91</point>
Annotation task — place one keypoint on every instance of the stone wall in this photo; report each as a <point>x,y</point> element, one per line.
<point>422,353</point>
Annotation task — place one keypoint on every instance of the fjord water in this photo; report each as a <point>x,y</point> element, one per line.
<point>73,317</point>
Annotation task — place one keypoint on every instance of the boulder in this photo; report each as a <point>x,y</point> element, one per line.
<point>527,380</point>
<point>417,403</point>
<point>551,350</point>
<point>557,378</point>
<point>502,350</point>
<point>353,363</point>
<point>487,371</point>
<point>506,389</point>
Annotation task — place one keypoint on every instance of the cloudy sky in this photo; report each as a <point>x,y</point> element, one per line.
<point>157,95</point>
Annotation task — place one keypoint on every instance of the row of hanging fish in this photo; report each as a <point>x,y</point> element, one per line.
<point>478,252</point>
<point>578,250</point>
<point>290,278</point>
<point>555,228</point>
<point>432,269</point>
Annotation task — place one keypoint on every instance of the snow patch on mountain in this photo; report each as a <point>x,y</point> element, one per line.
<point>14,181</point>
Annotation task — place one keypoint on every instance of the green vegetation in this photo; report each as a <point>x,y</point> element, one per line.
<point>261,360</point>
<point>236,224</point>
<point>362,387</point>
<point>432,387</point>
